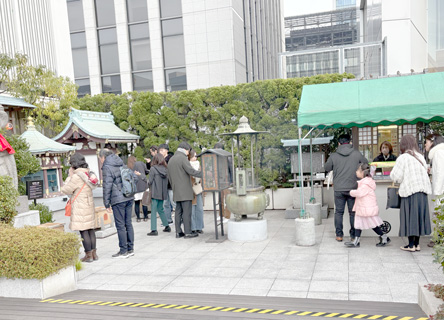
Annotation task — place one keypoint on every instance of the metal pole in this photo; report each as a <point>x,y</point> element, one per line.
<point>215,215</point>
<point>311,168</point>
<point>252,162</point>
<point>301,181</point>
<point>238,152</point>
<point>232,163</point>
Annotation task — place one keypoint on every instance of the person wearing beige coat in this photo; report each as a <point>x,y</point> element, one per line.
<point>79,185</point>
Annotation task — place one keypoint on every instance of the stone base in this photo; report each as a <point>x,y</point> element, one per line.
<point>23,204</point>
<point>427,300</point>
<point>61,282</point>
<point>292,213</point>
<point>305,232</point>
<point>314,211</point>
<point>100,234</point>
<point>324,212</point>
<point>247,230</point>
<point>29,218</point>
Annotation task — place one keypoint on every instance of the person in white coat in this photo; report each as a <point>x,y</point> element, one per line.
<point>434,145</point>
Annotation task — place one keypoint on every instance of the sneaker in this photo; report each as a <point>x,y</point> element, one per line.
<point>407,248</point>
<point>383,243</point>
<point>339,239</point>
<point>180,235</point>
<point>199,231</point>
<point>120,255</point>
<point>152,233</point>
<point>167,229</point>
<point>354,243</point>
<point>191,235</point>
<point>130,253</point>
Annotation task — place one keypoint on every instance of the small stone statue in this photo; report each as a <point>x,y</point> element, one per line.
<point>7,161</point>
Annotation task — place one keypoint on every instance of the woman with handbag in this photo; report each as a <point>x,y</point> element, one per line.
<point>158,182</point>
<point>366,208</point>
<point>197,219</point>
<point>410,171</point>
<point>139,169</point>
<point>80,185</point>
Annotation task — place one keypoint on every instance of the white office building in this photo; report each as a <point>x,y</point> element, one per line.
<point>167,45</point>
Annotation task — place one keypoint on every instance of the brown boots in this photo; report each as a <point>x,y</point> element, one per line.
<point>94,255</point>
<point>88,257</point>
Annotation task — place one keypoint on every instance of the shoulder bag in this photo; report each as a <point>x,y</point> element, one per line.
<point>68,207</point>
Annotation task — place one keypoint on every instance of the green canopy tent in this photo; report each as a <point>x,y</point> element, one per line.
<point>395,100</point>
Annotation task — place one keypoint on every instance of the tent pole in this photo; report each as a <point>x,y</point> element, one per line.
<point>312,199</point>
<point>301,180</point>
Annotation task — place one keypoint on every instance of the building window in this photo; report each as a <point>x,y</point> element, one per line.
<point>170,8</point>
<point>84,87</point>
<point>137,10</point>
<point>176,79</point>
<point>173,45</point>
<point>79,55</point>
<point>78,46</point>
<point>105,13</point>
<point>75,15</point>
<point>140,46</point>
<point>345,3</point>
<point>109,54</point>
<point>143,81</point>
<point>111,84</point>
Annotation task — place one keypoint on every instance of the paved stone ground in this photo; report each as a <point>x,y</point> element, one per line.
<point>274,267</point>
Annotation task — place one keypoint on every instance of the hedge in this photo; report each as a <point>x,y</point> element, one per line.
<point>35,253</point>
<point>8,200</point>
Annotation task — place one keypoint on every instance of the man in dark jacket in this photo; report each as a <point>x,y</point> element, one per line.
<point>115,202</point>
<point>179,172</point>
<point>344,163</point>
<point>168,205</point>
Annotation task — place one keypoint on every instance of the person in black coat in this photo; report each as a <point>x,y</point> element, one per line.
<point>386,153</point>
<point>158,182</point>
<point>116,203</point>
<point>140,170</point>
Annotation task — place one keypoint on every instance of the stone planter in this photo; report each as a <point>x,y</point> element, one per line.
<point>61,282</point>
<point>29,218</point>
<point>427,300</point>
<point>305,232</point>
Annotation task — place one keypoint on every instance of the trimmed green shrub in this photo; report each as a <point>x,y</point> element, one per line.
<point>45,214</point>
<point>8,200</point>
<point>36,253</point>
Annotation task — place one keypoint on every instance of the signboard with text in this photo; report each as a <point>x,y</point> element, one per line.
<point>34,189</point>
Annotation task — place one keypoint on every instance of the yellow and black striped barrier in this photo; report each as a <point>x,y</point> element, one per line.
<point>231,309</point>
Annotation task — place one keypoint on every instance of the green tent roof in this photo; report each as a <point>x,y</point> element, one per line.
<point>395,100</point>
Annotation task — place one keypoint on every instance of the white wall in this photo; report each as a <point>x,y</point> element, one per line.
<point>404,23</point>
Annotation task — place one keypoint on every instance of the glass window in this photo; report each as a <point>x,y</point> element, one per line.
<point>105,13</point>
<point>137,10</point>
<point>111,84</point>
<point>75,15</point>
<point>172,27</point>
<point>173,51</point>
<point>78,40</point>
<point>80,61</point>
<point>84,87</point>
<point>140,47</point>
<point>143,81</point>
<point>107,36</point>
<point>176,79</point>
<point>109,59</point>
<point>139,31</point>
<point>170,8</point>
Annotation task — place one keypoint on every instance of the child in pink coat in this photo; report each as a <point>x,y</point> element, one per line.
<point>366,208</point>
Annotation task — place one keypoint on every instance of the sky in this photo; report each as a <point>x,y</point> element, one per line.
<point>300,7</point>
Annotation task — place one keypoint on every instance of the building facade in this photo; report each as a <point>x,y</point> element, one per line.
<point>369,38</point>
<point>36,28</point>
<point>167,45</point>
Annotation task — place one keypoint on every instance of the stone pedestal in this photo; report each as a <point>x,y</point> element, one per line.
<point>29,218</point>
<point>23,205</point>
<point>314,211</point>
<point>305,232</point>
<point>247,230</point>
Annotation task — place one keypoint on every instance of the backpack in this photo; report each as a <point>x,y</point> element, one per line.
<point>128,182</point>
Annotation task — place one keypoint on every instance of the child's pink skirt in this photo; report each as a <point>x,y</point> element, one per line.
<point>363,223</point>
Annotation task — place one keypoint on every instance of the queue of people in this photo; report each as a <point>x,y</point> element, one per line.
<point>174,185</point>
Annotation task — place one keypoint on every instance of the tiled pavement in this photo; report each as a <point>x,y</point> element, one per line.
<point>274,267</point>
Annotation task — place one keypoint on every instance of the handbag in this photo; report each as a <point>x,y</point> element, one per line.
<point>146,199</point>
<point>393,198</point>
<point>68,207</point>
<point>197,188</point>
